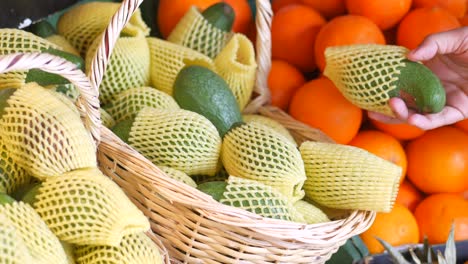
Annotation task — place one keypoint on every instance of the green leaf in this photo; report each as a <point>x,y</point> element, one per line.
<point>396,255</point>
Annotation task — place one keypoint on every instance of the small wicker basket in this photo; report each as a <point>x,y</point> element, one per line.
<point>192,226</point>
<point>87,104</point>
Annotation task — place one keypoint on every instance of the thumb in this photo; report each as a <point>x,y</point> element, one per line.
<point>439,43</point>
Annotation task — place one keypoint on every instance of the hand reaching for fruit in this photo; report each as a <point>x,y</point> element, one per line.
<point>446,54</point>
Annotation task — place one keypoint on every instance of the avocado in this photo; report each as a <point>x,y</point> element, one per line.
<point>199,89</point>
<point>43,29</point>
<point>220,15</point>
<point>419,87</point>
<point>45,78</point>
<point>122,129</point>
<point>213,188</point>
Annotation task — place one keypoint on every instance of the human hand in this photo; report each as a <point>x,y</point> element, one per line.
<point>446,54</point>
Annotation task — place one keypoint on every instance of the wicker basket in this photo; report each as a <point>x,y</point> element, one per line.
<point>194,227</point>
<point>87,104</point>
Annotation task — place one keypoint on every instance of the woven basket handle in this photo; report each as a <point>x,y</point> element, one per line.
<point>88,103</point>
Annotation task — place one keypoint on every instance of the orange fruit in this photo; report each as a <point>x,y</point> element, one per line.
<point>283,81</point>
<point>455,7</point>
<point>436,213</point>
<point>319,104</point>
<point>243,15</point>
<point>384,13</point>
<point>398,227</point>
<point>171,11</point>
<point>293,32</point>
<point>408,195</point>
<point>278,4</point>
<point>329,9</point>
<point>344,30</point>
<point>400,131</point>
<point>421,22</point>
<point>464,20</point>
<point>438,160</point>
<point>463,125</point>
<point>382,145</point>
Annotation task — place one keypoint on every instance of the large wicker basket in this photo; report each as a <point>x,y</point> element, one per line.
<point>88,104</point>
<point>194,227</point>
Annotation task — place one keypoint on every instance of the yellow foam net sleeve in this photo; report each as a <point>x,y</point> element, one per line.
<point>84,207</point>
<point>83,23</point>
<point>236,64</point>
<point>12,246</point>
<point>128,103</point>
<point>12,176</point>
<point>259,198</point>
<point>271,123</point>
<point>311,214</point>
<point>253,151</point>
<point>63,43</point>
<point>365,73</point>
<point>167,59</point>
<point>221,175</point>
<point>69,251</point>
<point>14,41</point>
<point>347,177</point>
<point>134,248</point>
<point>178,175</point>
<point>44,134</point>
<point>180,139</point>
<point>128,67</point>
<point>43,245</point>
<point>106,119</point>
<point>195,32</point>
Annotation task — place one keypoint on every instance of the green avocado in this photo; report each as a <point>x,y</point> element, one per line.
<point>198,89</point>
<point>419,87</point>
<point>122,129</point>
<point>220,15</point>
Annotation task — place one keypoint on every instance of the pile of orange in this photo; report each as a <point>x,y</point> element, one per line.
<point>434,182</point>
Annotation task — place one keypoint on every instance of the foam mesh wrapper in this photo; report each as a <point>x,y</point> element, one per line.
<point>253,151</point>
<point>128,66</point>
<point>42,244</point>
<point>365,73</point>
<point>12,176</point>
<point>347,177</point>
<point>19,41</point>
<point>63,43</point>
<point>195,32</point>
<point>93,209</point>
<point>180,139</point>
<point>43,133</point>
<point>128,103</point>
<point>106,119</point>
<point>178,175</point>
<point>271,123</point>
<point>167,59</point>
<point>12,246</point>
<point>310,213</point>
<point>134,248</point>
<point>237,66</point>
<point>83,23</point>
<point>259,198</point>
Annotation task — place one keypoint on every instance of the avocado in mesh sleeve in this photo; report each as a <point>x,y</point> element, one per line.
<point>311,213</point>
<point>347,177</point>
<point>134,248</point>
<point>196,32</point>
<point>128,103</point>
<point>253,151</point>
<point>12,246</point>
<point>43,132</point>
<point>167,59</point>
<point>128,66</point>
<point>237,66</point>
<point>368,75</point>
<point>12,176</point>
<point>270,123</point>
<point>106,119</point>
<point>81,24</point>
<point>42,244</point>
<point>180,139</point>
<point>259,198</point>
<point>178,175</point>
<point>93,210</point>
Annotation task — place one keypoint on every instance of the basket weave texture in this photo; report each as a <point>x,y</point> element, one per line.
<point>194,227</point>
<point>87,104</point>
